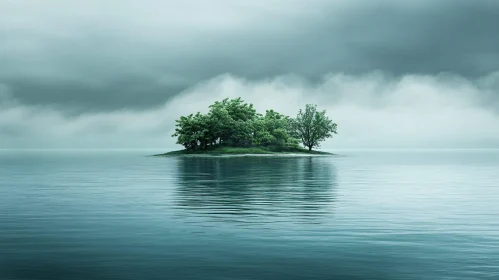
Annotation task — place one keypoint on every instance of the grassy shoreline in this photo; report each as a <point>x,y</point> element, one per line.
<point>220,151</point>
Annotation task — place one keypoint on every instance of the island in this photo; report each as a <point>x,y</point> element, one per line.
<point>233,127</point>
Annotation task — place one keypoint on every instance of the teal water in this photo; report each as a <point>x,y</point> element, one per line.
<point>360,215</point>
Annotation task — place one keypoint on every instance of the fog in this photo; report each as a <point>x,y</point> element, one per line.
<point>373,110</point>
<point>392,74</point>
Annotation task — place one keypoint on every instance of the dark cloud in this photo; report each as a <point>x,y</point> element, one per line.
<point>372,111</point>
<point>92,56</point>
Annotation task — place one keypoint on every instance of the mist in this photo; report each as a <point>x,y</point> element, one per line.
<point>373,110</point>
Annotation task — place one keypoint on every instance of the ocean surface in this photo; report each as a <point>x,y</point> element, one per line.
<point>390,214</point>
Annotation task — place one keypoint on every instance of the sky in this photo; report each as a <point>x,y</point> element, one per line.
<point>116,74</point>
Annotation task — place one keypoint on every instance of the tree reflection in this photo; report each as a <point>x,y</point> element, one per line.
<point>258,186</point>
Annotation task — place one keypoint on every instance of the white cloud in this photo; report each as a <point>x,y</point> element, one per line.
<point>371,110</point>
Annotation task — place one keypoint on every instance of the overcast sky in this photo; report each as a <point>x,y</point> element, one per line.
<point>391,73</point>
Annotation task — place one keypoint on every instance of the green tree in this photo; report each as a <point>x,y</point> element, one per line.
<point>274,129</point>
<point>229,122</point>
<point>234,120</point>
<point>185,130</point>
<point>313,127</point>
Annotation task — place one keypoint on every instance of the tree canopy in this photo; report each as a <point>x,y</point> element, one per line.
<point>232,122</point>
<point>313,127</point>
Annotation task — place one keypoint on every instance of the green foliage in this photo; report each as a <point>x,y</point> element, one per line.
<point>274,129</point>
<point>234,123</point>
<point>313,127</point>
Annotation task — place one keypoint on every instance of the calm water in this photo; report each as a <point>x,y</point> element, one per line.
<point>362,215</point>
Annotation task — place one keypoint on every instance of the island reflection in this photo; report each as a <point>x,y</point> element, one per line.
<point>274,188</point>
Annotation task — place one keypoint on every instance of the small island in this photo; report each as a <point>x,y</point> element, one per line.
<point>233,127</point>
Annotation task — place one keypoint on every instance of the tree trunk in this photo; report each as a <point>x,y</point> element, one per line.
<point>310,148</point>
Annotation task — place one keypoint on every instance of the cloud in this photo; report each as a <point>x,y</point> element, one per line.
<point>373,110</point>
<point>121,54</point>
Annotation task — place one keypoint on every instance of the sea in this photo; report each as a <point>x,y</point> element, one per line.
<point>360,214</point>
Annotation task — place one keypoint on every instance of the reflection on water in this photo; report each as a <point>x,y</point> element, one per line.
<point>270,187</point>
<point>379,215</point>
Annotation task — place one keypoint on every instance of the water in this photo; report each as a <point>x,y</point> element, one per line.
<point>361,215</point>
